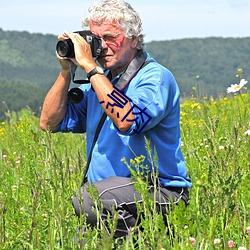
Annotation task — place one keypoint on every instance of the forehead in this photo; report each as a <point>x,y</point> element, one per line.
<point>104,27</point>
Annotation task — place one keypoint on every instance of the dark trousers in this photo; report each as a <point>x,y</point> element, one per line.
<point>119,194</point>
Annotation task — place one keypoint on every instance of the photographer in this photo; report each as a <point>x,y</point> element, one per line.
<point>141,100</point>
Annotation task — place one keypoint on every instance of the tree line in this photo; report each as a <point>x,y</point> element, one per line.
<point>202,67</point>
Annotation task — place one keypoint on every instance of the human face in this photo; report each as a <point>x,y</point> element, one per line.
<point>118,50</point>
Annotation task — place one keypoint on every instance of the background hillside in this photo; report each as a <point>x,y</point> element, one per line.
<point>28,66</point>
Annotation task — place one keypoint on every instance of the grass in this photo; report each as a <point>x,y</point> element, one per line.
<point>40,172</point>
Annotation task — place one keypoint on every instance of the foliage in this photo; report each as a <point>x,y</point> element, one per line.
<point>14,95</point>
<point>28,68</point>
<point>40,172</point>
<point>28,58</point>
<point>208,62</point>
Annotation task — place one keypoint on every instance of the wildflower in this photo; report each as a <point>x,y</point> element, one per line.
<point>22,210</point>
<point>137,159</point>
<point>132,162</point>
<point>198,182</point>
<point>230,244</point>
<point>216,241</point>
<point>248,230</point>
<point>237,87</point>
<point>242,248</point>
<point>45,216</point>
<point>221,147</point>
<point>195,106</point>
<point>192,240</point>
<point>14,188</point>
<point>247,133</point>
<point>240,70</point>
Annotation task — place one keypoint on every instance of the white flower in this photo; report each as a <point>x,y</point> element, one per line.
<point>22,210</point>
<point>242,248</point>
<point>247,133</point>
<point>237,87</point>
<point>217,241</point>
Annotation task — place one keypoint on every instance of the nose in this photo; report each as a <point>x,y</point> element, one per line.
<point>104,44</point>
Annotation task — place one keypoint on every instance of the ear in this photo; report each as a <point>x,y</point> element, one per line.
<point>134,42</point>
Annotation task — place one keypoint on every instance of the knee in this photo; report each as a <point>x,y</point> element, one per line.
<point>84,205</point>
<point>77,206</point>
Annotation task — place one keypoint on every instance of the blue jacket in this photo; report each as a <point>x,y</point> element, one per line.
<point>154,91</point>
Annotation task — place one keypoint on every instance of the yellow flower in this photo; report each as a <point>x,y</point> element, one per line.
<point>240,70</point>
<point>132,162</point>
<point>138,160</point>
<point>195,105</point>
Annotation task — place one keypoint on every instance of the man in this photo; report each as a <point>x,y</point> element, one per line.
<point>141,100</point>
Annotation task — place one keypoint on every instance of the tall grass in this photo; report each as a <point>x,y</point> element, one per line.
<point>40,172</point>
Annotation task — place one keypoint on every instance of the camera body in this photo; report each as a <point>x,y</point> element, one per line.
<point>65,48</point>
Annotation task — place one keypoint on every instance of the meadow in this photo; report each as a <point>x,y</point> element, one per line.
<point>40,172</point>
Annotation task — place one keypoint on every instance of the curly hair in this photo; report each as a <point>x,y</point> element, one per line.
<point>120,13</point>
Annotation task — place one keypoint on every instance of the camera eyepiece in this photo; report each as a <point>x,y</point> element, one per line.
<point>65,48</point>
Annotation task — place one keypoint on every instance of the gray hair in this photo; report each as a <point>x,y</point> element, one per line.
<point>120,13</point>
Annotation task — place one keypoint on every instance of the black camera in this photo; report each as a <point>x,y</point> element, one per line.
<point>65,48</point>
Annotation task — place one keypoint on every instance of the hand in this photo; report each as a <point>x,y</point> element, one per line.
<point>66,63</point>
<point>83,54</point>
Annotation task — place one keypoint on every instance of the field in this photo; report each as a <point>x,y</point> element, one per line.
<point>40,172</point>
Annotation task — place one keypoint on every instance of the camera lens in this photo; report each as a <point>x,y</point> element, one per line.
<point>75,95</point>
<point>65,48</point>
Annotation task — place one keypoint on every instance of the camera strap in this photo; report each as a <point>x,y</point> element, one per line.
<point>136,64</point>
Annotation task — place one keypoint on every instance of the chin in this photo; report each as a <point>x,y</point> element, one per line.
<point>105,64</point>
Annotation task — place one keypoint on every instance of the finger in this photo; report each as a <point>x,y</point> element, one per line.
<point>62,36</point>
<point>59,57</point>
<point>69,60</point>
<point>66,33</point>
<point>75,37</point>
<point>70,34</point>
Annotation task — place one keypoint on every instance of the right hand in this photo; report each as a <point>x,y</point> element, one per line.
<point>66,63</point>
